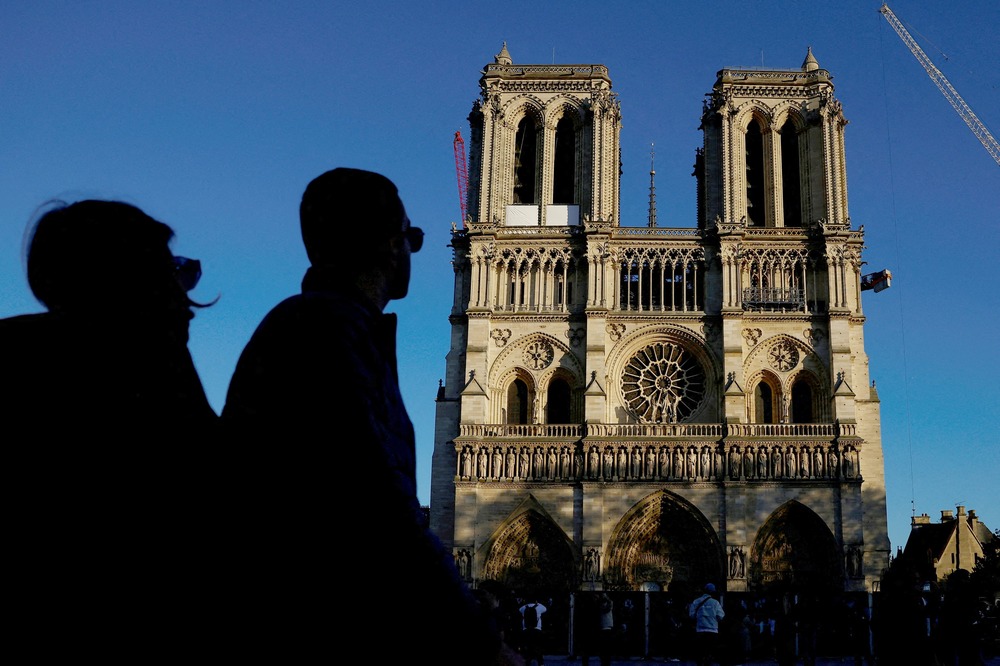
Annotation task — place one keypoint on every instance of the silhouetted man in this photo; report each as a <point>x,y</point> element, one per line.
<point>707,613</point>
<point>344,551</point>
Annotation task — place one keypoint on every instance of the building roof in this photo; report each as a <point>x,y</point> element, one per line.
<point>929,543</point>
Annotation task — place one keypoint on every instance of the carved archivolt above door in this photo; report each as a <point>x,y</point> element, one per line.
<point>663,540</point>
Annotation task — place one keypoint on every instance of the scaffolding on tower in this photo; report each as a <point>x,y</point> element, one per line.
<point>462,172</point>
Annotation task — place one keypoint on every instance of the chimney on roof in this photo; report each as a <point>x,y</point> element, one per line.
<point>922,519</point>
<point>961,510</point>
<point>947,515</point>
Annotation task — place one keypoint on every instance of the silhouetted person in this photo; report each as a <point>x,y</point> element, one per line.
<point>532,645</point>
<point>707,612</point>
<point>105,416</point>
<point>327,456</point>
<point>736,630</point>
<point>805,613</point>
<point>785,630</point>
<point>859,636</point>
<point>505,612</point>
<point>605,628</point>
<point>111,351</point>
<point>958,622</point>
<point>900,618</point>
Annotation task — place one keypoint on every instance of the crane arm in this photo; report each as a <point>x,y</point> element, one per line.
<point>956,101</point>
<point>462,173</point>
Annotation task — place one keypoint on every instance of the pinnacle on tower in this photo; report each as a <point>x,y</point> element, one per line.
<point>503,58</point>
<point>810,64</point>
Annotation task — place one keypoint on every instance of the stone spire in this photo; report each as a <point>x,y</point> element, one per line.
<point>809,64</point>
<point>503,58</point>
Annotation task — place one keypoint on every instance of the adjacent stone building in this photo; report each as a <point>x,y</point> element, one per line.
<point>936,550</point>
<point>635,407</point>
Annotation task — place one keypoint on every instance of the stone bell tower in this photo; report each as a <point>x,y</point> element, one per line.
<point>634,407</point>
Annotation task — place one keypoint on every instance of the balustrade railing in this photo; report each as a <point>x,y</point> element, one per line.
<point>709,430</point>
<point>754,297</point>
<point>649,430</point>
<point>782,429</point>
<point>655,232</point>
<point>564,430</point>
<point>774,231</point>
<point>533,307</point>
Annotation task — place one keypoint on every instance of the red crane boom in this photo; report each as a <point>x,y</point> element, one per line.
<point>462,172</point>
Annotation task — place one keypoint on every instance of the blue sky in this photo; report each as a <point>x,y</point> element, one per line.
<point>213,116</point>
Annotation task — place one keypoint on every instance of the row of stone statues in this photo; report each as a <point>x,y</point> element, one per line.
<point>618,462</point>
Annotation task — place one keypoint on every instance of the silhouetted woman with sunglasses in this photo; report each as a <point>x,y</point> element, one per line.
<point>111,352</point>
<point>106,426</point>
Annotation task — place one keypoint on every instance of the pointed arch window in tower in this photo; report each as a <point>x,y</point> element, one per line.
<point>764,403</point>
<point>802,402</point>
<point>756,202</point>
<point>517,402</point>
<point>564,173</point>
<point>565,274</point>
<point>558,402</point>
<point>791,184</point>
<point>562,296</point>
<point>525,159</point>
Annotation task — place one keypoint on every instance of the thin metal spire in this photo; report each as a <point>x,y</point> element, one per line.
<point>652,188</point>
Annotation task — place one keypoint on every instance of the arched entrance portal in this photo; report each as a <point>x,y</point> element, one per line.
<point>795,548</point>
<point>663,543</point>
<point>532,556</point>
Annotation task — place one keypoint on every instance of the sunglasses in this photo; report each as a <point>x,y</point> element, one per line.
<point>415,237</point>
<point>187,272</point>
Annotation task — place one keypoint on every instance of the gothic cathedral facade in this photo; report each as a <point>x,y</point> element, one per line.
<point>635,407</point>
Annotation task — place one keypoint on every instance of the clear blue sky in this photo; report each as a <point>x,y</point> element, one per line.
<point>213,116</point>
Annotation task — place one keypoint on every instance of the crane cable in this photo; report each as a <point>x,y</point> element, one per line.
<point>895,233</point>
<point>909,27</point>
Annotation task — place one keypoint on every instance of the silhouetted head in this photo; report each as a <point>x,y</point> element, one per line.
<point>86,255</point>
<point>347,205</point>
<point>709,588</point>
<point>353,218</point>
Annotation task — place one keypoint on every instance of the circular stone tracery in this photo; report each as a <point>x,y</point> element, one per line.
<point>538,354</point>
<point>663,383</point>
<point>783,356</point>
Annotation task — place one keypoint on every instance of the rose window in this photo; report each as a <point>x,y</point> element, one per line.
<point>663,383</point>
<point>783,356</point>
<point>538,354</point>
